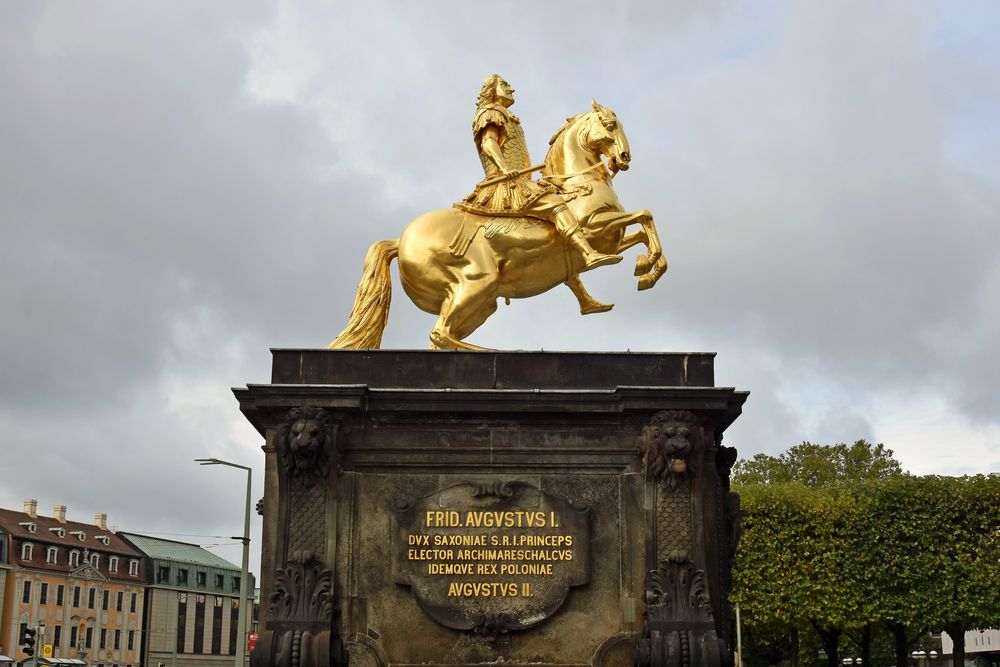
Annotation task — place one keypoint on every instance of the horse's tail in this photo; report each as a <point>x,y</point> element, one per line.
<point>371,304</point>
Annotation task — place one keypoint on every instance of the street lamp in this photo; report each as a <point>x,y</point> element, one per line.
<point>241,648</point>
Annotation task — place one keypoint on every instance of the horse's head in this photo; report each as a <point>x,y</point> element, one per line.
<point>602,133</point>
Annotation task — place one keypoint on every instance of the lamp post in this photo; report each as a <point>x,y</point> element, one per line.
<point>241,648</point>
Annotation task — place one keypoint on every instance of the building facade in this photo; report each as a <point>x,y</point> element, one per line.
<point>80,580</point>
<point>192,604</point>
<point>4,569</point>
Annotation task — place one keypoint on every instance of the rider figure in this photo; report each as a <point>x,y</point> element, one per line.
<point>502,150</point>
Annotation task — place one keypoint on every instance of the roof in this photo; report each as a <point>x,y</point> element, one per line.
<point>13,522</point>
<point>181,552</point>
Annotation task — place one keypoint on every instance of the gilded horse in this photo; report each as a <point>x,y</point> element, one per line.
<point>456,265</point>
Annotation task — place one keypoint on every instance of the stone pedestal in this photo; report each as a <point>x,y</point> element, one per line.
<point>446,508</point>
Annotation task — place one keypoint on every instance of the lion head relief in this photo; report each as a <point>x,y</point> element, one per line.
<point>303,441</point>
<point>665,446</point>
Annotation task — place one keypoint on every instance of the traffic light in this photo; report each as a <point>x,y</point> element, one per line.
<point>28,640</point>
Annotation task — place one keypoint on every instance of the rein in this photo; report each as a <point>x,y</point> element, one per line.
<point>565,177</point>
<point>539,167</point>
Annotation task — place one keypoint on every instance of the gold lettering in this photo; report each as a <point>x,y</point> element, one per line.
<point>438,518</point>
<point>470,589</point>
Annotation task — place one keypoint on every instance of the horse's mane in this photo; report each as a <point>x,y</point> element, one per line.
<point>569,121</point>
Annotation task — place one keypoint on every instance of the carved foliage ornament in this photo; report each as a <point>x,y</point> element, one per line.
<point>679,630</point>
<point>665,446</point>
<point>303,591</point>
<point>305,440</point>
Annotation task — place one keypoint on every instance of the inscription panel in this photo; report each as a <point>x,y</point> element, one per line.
<point>490,557</point>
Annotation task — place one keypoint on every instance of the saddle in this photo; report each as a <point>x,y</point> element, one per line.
<point>502,224</point>
<point>490,225</point>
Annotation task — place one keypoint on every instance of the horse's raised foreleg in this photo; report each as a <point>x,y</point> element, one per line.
<point>651,266</point>
<point>632,239</point>
<point>588,304</point>
<point>470,303</point>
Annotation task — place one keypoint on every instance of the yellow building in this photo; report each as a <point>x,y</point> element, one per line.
<point>80,580</point>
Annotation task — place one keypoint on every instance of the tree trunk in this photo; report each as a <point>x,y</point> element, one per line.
<point>864,642</point>
<point>957,633</point>
<point>898,631</point>
<point>831,639</point>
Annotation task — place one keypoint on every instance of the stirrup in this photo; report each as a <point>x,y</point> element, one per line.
<point>599,259</point>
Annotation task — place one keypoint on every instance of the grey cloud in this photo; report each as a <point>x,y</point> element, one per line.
<point>163,226</point>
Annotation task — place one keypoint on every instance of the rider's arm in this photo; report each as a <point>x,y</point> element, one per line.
<point>489,141</point>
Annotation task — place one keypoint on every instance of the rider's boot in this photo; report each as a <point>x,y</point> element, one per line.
<point>570,229</point>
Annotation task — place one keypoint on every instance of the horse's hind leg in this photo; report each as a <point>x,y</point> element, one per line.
<point>588,304</point>
<point>470,303</point>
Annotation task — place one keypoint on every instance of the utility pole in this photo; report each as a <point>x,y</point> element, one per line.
<point>244,617</point>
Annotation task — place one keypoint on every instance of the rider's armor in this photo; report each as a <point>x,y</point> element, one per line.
<point>511,196</point>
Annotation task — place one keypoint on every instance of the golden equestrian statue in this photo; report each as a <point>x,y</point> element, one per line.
<point>512,237</point>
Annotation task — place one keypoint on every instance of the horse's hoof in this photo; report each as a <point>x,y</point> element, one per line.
<point>596,307</point>
<point>645,282</point>
<point>642,265</point>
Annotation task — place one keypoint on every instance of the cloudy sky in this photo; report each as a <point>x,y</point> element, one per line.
<point>184,185</point>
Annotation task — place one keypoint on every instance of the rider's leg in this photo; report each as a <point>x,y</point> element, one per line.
<point>554,208</point>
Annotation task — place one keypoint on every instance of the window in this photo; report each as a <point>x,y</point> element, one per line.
<point>217,625</point>
<point>59,594</point>
<point>118,605</point>
<point>95,560</point>
<point>26,594</point>
<point>43,594</point>
<point>92,598</point>
<point>26,550</point>
<point>182,599</point>
<point>131,604</point>
<point>131,640</point>
<point>182,576</point>
<point>199,624</point>
<point>234,622</point>
<point>103,539</point>
<point>90,638</point>
<point>76,600</point>
<point>133,567</point>
<point>57,635</point>
<point>236,584</point>
<point>113,564</point>
<point>51,555</point>
<point>163,575</point>
<point>202,579</point>
<point>60,532</point>
<point>74,558</point>
<point>104,602</point>
<point>104,638</point>
<point>220,581</point>
<point>72,635</point>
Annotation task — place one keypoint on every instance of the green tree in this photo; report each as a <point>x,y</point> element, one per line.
<point>799,563</point>
<point>909,553</point>
<point>813,465</point>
